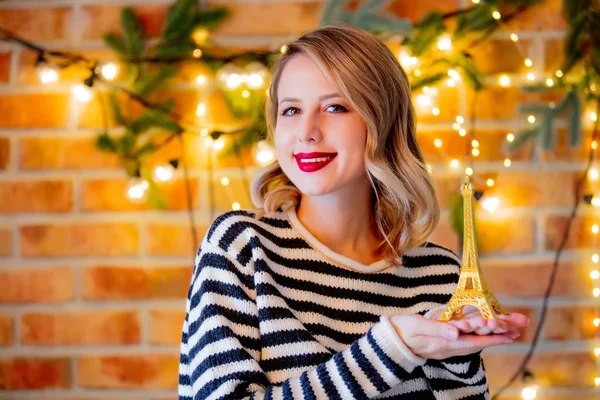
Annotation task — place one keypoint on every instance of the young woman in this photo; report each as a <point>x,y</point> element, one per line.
<point>330,288</point>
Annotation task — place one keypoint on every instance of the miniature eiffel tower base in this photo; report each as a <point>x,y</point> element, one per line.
<point>485,302</point>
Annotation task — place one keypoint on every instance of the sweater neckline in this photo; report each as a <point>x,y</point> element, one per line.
<point>337,258</point>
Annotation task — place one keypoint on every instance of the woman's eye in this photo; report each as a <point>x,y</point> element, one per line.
<point>338,107</point>
<point>285,112</point>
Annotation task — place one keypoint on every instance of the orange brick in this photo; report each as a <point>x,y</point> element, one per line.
<point>7,336</point>
<point>110,195</point>
<point>37,285</point>
<point>510,98</point>
<point>105,18</point>
<point>248,19</point>
<point>165,326</point>
<point>559,369</point>
<point>36,196</point>
<point>4,153</point>
<point>100,328</point>
<point>513,57</point>
<point>580,235</point>
<point>79,240</point>
<point>445,189</point>
<point>554,55</point>
<point>529,279</point>
<point>6,242</point>
<point>236,191</point>
<point>119,283</point>
<point>17,110</point>
<point>63,153</point>
<point>173,239</point>
<point>563,152</point>
<point>39,23</point>
<point>511,234</point>
<point>570,323</point>
<point>415,11</point>
<point>35,373</point>
<point>5,66</point>
<point>546,15</point>
<point>131,371</point>
<point>535,189</point>
<point>491,146</point>
<point>445,236</point>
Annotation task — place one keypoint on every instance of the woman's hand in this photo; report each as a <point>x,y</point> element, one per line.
<point>432,339</point>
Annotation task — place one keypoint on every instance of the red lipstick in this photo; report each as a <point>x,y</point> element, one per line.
<point>311,162</point>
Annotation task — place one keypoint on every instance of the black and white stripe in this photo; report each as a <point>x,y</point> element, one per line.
<point>269,317</point>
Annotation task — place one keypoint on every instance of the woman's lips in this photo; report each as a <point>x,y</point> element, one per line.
<point>313,166</point>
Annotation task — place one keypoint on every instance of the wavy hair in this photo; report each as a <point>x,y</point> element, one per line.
<point>368,75</point>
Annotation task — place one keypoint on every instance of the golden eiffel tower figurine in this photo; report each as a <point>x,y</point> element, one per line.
<point>471,289</point>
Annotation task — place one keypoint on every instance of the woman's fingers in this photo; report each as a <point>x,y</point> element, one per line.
<point>515,319</point>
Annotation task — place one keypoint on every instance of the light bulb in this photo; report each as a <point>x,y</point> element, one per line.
<point>283,48</point>
<point>219,144</point>
<point>48,74</point>
<point>596,292</point>
<point>469,171</point>
<point>245,94</point>
<point>597,351</point>
<point>510,137</point>
<point>444,43</point>
<point>507,162</point>
<point>596,322</point>
<point>451,83</point>
<point>109,71</point>
<point>490,204</point>
<point>197,53</point>
<point>437,143</point>
<point>263,153</point>
<point>549,82</point>
<point>496,15</point>
<point>201,80</point>
<point>137,190</point>
<point>475,143</point>
<point>475,152</point>
<point>595,201</point>
<point>230,76</point>
<point>82,93</point>
<point>163,172</point>
<point>435,111</point>
<point>456,126</point>
<point>514,37</point>
<point>593,116</point>
<point>531,119</point>
<point>407,61</point>
<point>528,62</point>
<point>593,174</point>
<point>424,100</point>
<point>595,229</point>
<point>490,182</point>
<point>595,274</point>
<point>504,81</point>
<point>462,132</point>
<point>530,392</point>
<point>595,258</point>
<point>454,74</point>
<point>559,74</point>
<point>235,206</point>
<point>454,163</point>
<point>203,132</point>
<point>224,181</point>
<point>594,144</point>
<point>201,109</point>
<point>460,119</point>
<point>257,74</point>
<point>597,380</point>
<point>531,76</point>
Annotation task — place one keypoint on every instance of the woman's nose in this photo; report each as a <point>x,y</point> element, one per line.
<point>310,129</point>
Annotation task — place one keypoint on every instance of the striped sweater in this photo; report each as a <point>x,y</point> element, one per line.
<point>272,313</point>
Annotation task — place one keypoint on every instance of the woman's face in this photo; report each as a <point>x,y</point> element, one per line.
<point>314,118</point>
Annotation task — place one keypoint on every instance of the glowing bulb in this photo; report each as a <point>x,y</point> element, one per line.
<point>256,74</point>
<point>235,206</point>
<point>507,162</point>
<point>82,93</point>
<point>593,174</point>
<point>593,116</point>
<point>595,258</point>
<point>164,173</point>
<point>460,119</point>
<point>528,62</point>
<point>201,109</point>
<point>531,76</point>
<point>597,351</point>
<point>510,137</point>
<point>595,274</point>
<point>596,322</point>
<point>201,80</point>
<point>594,144</point>
<point>559,74</point>
<point>454,163</point>
<point>208,141</point>
<point>219,144</point>
<point>490,182</point>
<point>197,53</point>
<point>137,189</point>
<point>224,181</point>
<point>496,15</point>
<point>469,171</point>
<point>203,132</point>
<point>424,100</point>
<point>110,71</point>
<point>456,126</point>
<point>530,392</point>
<point>475,143</point>
<point>435,111</point>
<point>445,43</point>
<point>490,204</point>
<point>234,80</point>
<point>549,82</point>
<point>429,169</point>
<point>417,72</point>
<point>407,61</point>
<point>531,119</point>
<point>462,132</point>
<point>454,74</point>
<point>595,201</point>
<point>475,1</point>
<point>263,153</point>
<point>437,143</point>
<point>283,48</point>
<point>596,292</point>
<point>475,152</point>
<point>48,74</point>
<point>504,81</point>
<point>597,380</point>
<point>514,37</point>
<point>595,229</point>
<point>245,94</point>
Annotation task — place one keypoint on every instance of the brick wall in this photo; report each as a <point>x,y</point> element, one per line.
<point>92,286</point>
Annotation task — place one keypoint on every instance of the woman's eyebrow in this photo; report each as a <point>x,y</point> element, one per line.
<point>324,97</point>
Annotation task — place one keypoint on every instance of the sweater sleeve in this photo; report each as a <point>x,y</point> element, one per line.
<point>220,348</point>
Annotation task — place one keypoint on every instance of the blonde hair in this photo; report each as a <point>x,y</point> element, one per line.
<point>367,74</point>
